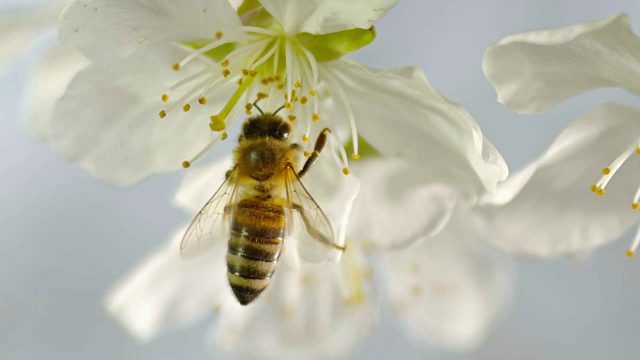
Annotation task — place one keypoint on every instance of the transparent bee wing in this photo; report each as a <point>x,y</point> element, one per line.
<point>312,229</point>
<point>211,223</point>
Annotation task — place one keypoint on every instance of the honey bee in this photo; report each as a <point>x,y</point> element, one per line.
<point>259,199</point>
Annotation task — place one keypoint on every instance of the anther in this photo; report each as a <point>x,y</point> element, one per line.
<point>245,72</point>
<point>176,66</point>
<point>277,77</point>
<point>600,192</point>
<point>202,100</point>
<point>292,118</point>
<point>315,117</point>
<point>313,92</point>
<point>264,82</point>
<point>635,206</point>
<point>297,84</point>
<point>219,35</point>
<point>225,63</point>
<point>224,136</point>
<point>239,82</point>
<point>346,171</point>
<point>165,97</point>
<point>262,95</point>
<point>303,100</point>
<point>217,123</point>
<point>594,188</point>
<point>630,253</point>
<point>638,150</point>
<point>280,86</point>
<point>606,171</point>
<point>162,114</point>
<point>355,156</point>
<point>288,105</point>
<point>186,108</point>
<point>226,72</point>
<point>253,73</point>
<point>305,138</point>
<point>307,154</point>
<point>186,164</point>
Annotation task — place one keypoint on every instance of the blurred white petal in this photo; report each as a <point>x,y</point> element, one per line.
<point>554,212</point>
<point>166,291</point>
<point>537,70</point>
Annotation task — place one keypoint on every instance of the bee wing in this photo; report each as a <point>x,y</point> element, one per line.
<point>313,232</point>
<point>210,223</point>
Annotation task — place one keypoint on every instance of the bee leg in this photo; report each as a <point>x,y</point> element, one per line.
<point>320,144</point>
<point>313,231</point>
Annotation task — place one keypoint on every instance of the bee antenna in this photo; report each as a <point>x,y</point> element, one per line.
<point>255,104</point>
<point>280,108</point>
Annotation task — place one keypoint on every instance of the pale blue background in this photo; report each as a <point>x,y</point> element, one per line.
<point>65,237</point>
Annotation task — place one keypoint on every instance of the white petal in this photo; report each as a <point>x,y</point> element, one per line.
<point>397,205</point>
<point>20,28</point>
<point>302,315</point>
<point>550,210</point>
<point>401,115</point>
<point>327,16</point>
<point>449,292</point>
<point>108,119</point>
<point>105,30</point>
<point>537,70</point>
<point>165,291</point>
<point>47,84</point>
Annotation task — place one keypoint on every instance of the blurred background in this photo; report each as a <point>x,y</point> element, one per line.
<point>65,237</point>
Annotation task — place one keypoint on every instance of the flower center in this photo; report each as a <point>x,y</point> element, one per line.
<point>608,173</point>
<point>264,65</point>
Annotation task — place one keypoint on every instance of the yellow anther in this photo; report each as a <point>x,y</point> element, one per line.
<point>165,97</point>
<point>292,118</point>
<point>162,114</point>
<point>280,86</point>
<point>186,164</point>
<point>600,192</point>
<point>594,188</point>
<point>249,106</point>
<point>303,100</point>
<point>264,82</point>
<point>239,82</point>
<point>315,117</point>
<point>307,154</point>
<point>288,105</point>
<point>225,63</point>
<point>219,35</point>
<point>226,72</point>
<point>635,206</point>
<point>262,95</point>
<point>638,150</point>
<point>245,72</point>
<point>355,156</point>
<point>224,136</point>
<point>253,73</point>
<point>606,171</point>
<point>297,84</point>
<point>217,123</point>
<point>630,253</point>
<point>271,79</point>
<point>313,92</point>
<point>202,100</point>
<point>248,112</point>
<point>305,138</point>
<point>346,171</point>
<point>186,108</point>
<point>277,77</point>
<point>176,66</point>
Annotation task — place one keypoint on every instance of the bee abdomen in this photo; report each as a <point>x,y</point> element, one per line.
<point>257,234</point>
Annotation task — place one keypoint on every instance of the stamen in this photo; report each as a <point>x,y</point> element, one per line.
<point>315,117</point>
<point>176,66</point>
<point>217,123</point>
<point>219,35</point>
<point>346,171</point>
<point>195,53</point>
<point>305,138</point>
<point>313,92</point>
<point>289,58</point>
<point>189,79</point>
<point>352,121</point>
<point>224,136</point>
<point>634,245</point>
<point>258,30</point>
<point>226,72</point>
<point>303,100</point>
<point>225,63</point>
<point>268,55</point>
<point>186,164</point>
<point>608,172</point>
<point>162,114</point>
<point>186,108</point>
<point>355,156</point>
<point>202,100</point>
<point>292,118</point>
<point>165,97</point>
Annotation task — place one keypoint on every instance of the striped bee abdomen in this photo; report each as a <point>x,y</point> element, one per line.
<point>257,233</point>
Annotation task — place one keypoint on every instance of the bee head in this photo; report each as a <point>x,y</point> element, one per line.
<point>266,125</point>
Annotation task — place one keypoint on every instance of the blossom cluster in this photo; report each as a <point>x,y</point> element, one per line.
<point>418,195</point>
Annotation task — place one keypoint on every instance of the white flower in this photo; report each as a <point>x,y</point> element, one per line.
<point>447,290</point>
<point>109,119</point>
<point>548,209</point>
<point>23,30</point>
